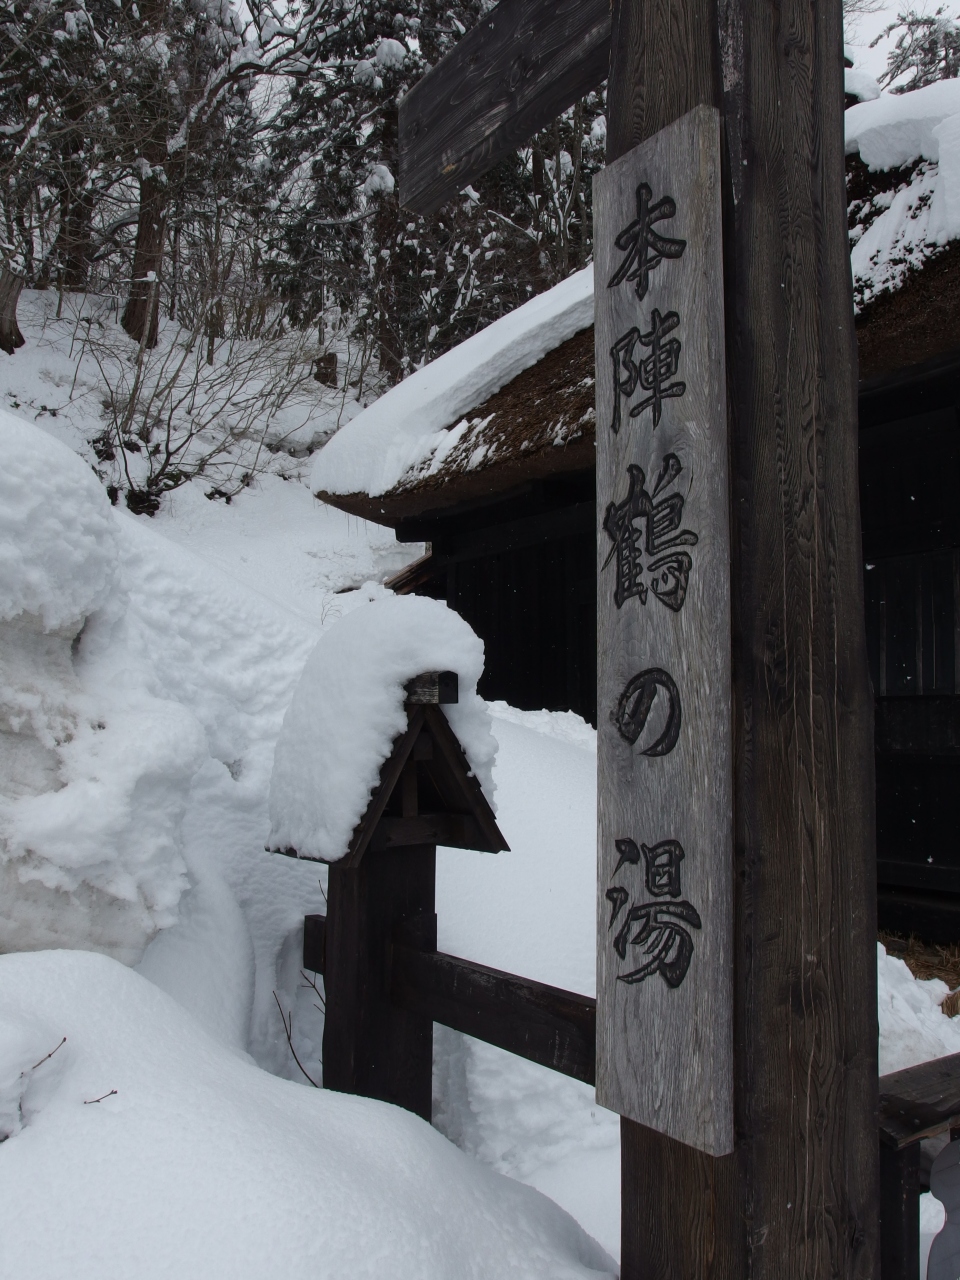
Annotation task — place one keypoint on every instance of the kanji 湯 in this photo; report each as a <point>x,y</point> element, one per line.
<point>645,529</point>
<point>652,373</point>
<point>645,248</point>
<point>660,929</point>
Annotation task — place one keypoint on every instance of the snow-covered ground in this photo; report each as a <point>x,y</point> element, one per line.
<point>146,728</point>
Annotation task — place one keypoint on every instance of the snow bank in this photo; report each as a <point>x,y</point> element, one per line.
<point>94,773</point>
<point>348,708</point>
<point>405,426</point>
<point>58,546</point>
<point>913,1027</point>
<point>860,84</point>
<point>897,128</point>
<point>196,1163</point>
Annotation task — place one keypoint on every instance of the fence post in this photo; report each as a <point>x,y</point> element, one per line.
<point>370,1046</point>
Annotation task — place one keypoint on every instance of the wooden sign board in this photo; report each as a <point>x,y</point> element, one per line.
<point>665,839</point>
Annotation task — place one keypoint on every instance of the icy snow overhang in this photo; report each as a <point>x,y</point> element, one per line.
<point>405,428</point>
<point>895,129</point>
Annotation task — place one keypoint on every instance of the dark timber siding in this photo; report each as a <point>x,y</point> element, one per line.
<point>521,571</point>
<point>910,506</point>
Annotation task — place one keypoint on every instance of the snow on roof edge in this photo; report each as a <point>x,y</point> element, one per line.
<point>897,128</point>
<point>401,428</point>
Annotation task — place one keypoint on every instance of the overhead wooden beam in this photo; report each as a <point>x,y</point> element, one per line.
<point>514,73</point>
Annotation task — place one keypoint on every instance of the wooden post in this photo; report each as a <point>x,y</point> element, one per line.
<point>799,1196</point>
<point>370,1045</point>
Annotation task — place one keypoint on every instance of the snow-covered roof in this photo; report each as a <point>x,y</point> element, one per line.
<point>905,217</point>
<point>515,401</point>
<point>401,433</point>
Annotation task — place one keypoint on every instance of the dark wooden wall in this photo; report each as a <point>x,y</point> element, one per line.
<point>910,507</point>
<point>521,571</point>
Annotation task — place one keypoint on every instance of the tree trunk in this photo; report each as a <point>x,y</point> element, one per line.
<point>10,287</point>
<point>141,314</point>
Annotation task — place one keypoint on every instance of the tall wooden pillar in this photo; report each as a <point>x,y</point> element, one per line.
<point>799,1196</point>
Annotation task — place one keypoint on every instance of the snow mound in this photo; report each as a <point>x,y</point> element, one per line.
<point>58,548</point>
<point>405,426</point>
<point>896,129</point>
<point>913,1027</point>
<point>860,84</point>
<point>348,708</point>
<point>160,1153</point>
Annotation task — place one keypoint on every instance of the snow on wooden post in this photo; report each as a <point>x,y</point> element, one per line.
<point>382,892</point>
<point>665,857</point>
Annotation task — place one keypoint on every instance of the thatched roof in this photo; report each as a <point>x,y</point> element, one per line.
<point>538,425</point>
<point>905,251</point>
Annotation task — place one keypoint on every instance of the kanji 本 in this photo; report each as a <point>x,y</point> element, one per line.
<point>645,530</point>
<point>645,248</point>
<point>661,929</point>
<point>652,372</point>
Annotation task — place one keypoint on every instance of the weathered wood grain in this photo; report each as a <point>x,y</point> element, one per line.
<point>807,1185</point>
<point>665,1047</point>
<point>676,1203</point>
<point>516,71</point>
<point>543,1024</point>
<point>920,1102</point>
<point>370,1046</point>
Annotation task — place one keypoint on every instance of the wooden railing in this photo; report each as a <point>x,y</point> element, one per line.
<point>558,1029</point>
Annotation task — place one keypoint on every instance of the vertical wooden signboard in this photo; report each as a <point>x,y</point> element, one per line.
<point>665,875</point>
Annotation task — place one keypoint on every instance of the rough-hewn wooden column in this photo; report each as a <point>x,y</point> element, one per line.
<point>799,1197</point>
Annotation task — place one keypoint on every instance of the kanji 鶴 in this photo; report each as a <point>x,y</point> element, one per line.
<point>645,531</point>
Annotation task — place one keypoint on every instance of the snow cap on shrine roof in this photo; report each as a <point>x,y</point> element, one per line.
<point>518,394</point>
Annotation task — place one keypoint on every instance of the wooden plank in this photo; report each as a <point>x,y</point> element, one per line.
<point>920,1102</point>
<point>665,841</point>
<point>899,1213</point>
<point>523,64</point>
<point>543,1024</point>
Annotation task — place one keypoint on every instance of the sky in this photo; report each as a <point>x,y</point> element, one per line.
<point>862,30</point>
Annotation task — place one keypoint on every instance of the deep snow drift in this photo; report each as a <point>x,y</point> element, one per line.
<point>196,1163</point>
<point>197,638</point>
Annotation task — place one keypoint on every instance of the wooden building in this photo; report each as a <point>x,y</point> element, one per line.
<point>509,518</point>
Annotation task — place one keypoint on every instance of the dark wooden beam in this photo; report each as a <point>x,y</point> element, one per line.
<point>920,1102</point>
<point>543,1024</point>
<point>899,1213</point>
<point>453,830</point>
<point>523,64</point>
<point>371,1046</point>
<point>314,943</point>
<point>804,1188</point>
